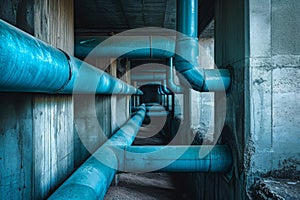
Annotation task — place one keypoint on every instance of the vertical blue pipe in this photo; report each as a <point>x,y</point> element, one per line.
<point>186,58</point>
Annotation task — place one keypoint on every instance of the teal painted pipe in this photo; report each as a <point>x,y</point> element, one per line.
<point>216,80</point>
<point>125,46</point>
<point>88,79</point>
<point>186,57</point>
<point>170,80</point>
<point>202,158</point>
<point>30,65</point>
<point>163,89</point>
<point>157,114</point>
<point>92,179</point>
<point>148,77</point>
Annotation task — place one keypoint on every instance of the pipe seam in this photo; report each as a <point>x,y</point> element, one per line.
<point>70,72</point>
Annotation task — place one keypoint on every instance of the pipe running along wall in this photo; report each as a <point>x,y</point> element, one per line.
<point>30,65</point>
<point>177,158</point>
<point>92,179</point>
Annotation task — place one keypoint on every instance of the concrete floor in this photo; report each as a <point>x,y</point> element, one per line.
<point>142,186</point>
<point>275,188</point>
<point>146,186</point>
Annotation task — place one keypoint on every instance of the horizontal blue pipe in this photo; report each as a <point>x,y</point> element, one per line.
<point>200,158</point>
<point>125,46</point>
<point>92,179</point>
<point>186,57</point>
<point>30,65</point>
<point>157,108</point>
<point>148,76</point>
<point>88,79</point>
<point>216,80</point>
<point>157,114</point>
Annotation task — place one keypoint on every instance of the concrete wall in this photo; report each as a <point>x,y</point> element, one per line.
<point>39,141</point>
<point>274,88</point>
<point>259,41</point>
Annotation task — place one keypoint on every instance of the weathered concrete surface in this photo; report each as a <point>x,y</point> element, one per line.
<point>52,138</point>
<point>38,147</point>
<point>202,113</point>
<point>147,186</point>
<point>279,189</point>
<point>274,88</point>
<point>16,160</point>
<point>19,13</point>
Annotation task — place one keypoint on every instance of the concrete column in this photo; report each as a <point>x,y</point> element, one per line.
<point>37,137</point>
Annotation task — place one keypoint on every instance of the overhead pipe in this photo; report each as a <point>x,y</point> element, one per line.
<point>149,108</point>
<point>186,57</point>
<point>165,89</point>
<point>126,46</point>
<point>160,91</point>
<point>30,65</point>
<point>170,79</point>
<point>92,179</point>
<point>157,114</point>
<point>148,76</point>
<point>144,46</point>
<point>177,158</point>
<point>185,46</point>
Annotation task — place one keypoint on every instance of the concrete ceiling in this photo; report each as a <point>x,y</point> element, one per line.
<point>114,16</point>
<point>108,17</point>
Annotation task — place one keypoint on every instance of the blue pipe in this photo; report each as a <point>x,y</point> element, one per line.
<point>157,114</point>
<point>125,46</point>
<point>216,80</point>
<point>170,80</point>
<point>92,179</point>
<point>159,91</point>
<point>30,65</point>
<point>186,57</point>
<point>148,76</point>
<point>164,89</point>
<point>200,158</point>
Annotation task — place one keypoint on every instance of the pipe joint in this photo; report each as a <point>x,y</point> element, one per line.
<point>70,71</point>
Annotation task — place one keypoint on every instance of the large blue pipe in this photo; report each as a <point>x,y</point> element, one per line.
<point>187,52</point>
<point>30,65</point>
<point>200,158</point>
<point>126,46</point>
<point>93,178</point>
<point>186,58</point>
